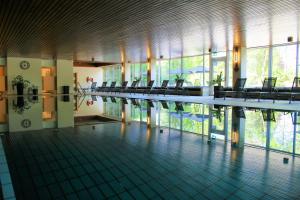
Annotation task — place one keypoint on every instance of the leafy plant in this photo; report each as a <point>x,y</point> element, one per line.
<point>19,80</point>
<point>21,105</point>
<point>217,113</point>
<point>178,77</point>
<point>218,81</point>
<point>138,79</point>
<point>34,87</point>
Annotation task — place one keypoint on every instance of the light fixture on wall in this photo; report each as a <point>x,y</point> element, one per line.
<point>236,58</point>
<point>89,79</point>
<point>290,39</point>
<point>235,137</point>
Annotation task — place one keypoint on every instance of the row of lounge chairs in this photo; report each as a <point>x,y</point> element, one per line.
<point>267,91</point>
<point>178,89</point>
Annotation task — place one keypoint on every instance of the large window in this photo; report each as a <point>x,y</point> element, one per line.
<point>194,70</point>
<point>138,71</point>
<point>257,66</point>
<point>175,70</point>
<point>257,135</point>
<point>282,133</point>
<point>284,65</point>
<point>112,73</point>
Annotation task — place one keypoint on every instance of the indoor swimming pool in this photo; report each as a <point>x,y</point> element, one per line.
<point>93,147</point>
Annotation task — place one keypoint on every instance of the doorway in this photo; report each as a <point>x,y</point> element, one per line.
<point>48,79</point>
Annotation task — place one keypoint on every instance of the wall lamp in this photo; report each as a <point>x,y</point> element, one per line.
<point>236,58</point>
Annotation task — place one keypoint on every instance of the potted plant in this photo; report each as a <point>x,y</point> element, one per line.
<point>20,83</point>
<point>178,77</point>
<point>34,90</point>
<point>137,79</point>
<point>217,112</point>
<point>217,84</point>
<point>21,105</point>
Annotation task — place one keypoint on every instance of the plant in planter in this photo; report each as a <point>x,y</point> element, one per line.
<point>217,113</point>
<point>20,83</point>
<point>137,79</point>
<point>178,77</point>
<point>21,105</point>
<point>217,83</point>
<point>34,89</point>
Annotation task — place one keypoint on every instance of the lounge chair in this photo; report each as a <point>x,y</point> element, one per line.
<point>146,89</point>
<point>289,94</point>
<point>99,89</point>
<point>237,89</point>
<point>164,105</point>
<point>122,87</point>
<point>111,87</point>
<point>178,89</point>
<point>132,88</point>
<point>267,89</point>
<point>160,90</point>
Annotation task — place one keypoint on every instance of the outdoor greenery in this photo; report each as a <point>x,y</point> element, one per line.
<point>112,73</point>
<point>139,70</point>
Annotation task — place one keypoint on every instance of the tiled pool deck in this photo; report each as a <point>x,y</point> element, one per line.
<point>114,162</point>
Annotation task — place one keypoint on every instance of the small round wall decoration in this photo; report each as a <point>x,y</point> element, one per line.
<point>26,123</point>
<point>24,64</point>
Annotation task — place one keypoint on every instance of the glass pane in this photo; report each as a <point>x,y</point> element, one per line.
<point>284,65</point>
<point>282,133</point>
<point>257,135</point>
<point>143,74</point>
<point>175,69</point>
<point>193,70</point>
<point>164,71</point>
<point>219,67</point>
<point>257,66</point>
<point>206,73</point>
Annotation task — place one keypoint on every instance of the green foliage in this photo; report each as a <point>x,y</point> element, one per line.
<point>218,81</point>
<point>138,79</point>
<point>178,77</point>
<point>19,80</point>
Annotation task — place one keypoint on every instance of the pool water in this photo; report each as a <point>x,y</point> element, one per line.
<point>149,150</point>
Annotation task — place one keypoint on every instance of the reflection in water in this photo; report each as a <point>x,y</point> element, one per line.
<point>271,129</point>
<point>26,113</point>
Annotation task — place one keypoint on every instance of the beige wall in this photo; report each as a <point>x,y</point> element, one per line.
<point>64,72</point>
<point>89,110</point>
<point>65,112</point>
<point>93,72</point>
<point>33,74</point>
<point>34,114</point>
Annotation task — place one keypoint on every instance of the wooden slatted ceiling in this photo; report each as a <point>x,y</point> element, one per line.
<point>92,28</point>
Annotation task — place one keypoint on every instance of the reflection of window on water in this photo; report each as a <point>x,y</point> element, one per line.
<point>281,133</point>
<point>192,118</point>
<point>139,111</point>
<point>112,109</point>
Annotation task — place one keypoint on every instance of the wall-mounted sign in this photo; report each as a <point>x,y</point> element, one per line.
<point>26,123</point>
<point>24,65</point>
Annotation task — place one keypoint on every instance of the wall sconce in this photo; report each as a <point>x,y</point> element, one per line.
<point>89,79</point>
<point>148,121</point>
<point>235,137</point>
<point>236,58</point>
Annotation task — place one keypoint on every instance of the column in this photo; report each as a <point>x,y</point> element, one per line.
<point>238,128</point>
